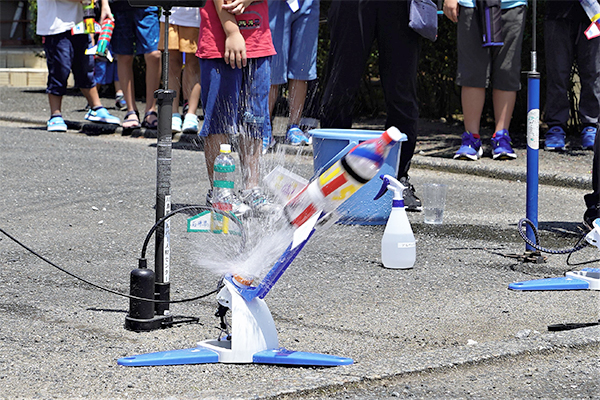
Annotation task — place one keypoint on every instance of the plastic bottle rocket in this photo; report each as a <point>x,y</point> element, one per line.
<point>88,17</point>
<point>222,191</point>
<point>334,186</point>
<point>398,247</point>
<point>592,9</point>
<point>108,25</point>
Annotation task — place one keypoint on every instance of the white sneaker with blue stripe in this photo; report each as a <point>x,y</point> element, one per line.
<point>56,124</point>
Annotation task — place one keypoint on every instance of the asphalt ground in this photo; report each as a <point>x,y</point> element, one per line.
<point>448,328</point>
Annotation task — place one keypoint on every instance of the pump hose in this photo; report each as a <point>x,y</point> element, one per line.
<point>524,221</point>
<point>152,230</point>
<point>227,214</point>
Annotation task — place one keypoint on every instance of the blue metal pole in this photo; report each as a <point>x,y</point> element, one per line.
<point>533,137</point>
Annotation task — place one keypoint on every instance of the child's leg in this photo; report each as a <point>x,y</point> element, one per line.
<point>118,90</point>
<point>55,104</point>
<point>92,97</point>
<point>175,66</point>
<point>212,148</point>
<point>298,90</point>
<point>152,78</point>
<point>472,99</point>
<point>191,82</point>
<point>273,94</point>
<point>504,104</point>
<point>58,60</point>
<point>250,150</point>
<point>125,68</point>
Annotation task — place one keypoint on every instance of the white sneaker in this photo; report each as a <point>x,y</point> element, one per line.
<point>190,123</point>
<point>176,123</point>
<point>258,202</point>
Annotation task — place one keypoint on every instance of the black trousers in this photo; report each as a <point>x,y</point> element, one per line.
<point>592,200</point>
<point>354,26</point>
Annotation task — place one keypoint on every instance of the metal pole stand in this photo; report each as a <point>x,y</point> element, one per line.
<point>533,147</point>
<point>145,316</point>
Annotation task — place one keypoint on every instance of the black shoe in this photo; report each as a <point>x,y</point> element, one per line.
<point>411,201</point>
<point>590,216</point>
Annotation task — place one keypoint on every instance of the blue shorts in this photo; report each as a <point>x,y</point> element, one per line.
<point>66,53</point>
<point>136,29</point>
<point>105,72</point>
<point>236,101</point>
<point>295,37</point>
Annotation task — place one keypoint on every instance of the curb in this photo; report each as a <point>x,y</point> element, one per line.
<point>497,171</point>
<point>503,172</point>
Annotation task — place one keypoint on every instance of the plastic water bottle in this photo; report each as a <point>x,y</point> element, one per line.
<point>334,186</point>
<point>398,246</point>
<point>222,191</point>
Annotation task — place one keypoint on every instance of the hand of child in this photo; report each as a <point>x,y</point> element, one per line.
<point>105,11</point>
<point>236,7</point>
<point>235,51</point>
<point>451,10</point>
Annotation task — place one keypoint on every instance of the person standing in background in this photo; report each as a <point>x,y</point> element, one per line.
<point>354,25</point>
<point>184,29</point>
<point>295,29</point>
<point>482,66</point>
<point>65,53</point>
<point>566,43</point>
<point>136,32</point>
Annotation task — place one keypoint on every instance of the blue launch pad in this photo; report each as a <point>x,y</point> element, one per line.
<point>196,355</point>
<point>287,357</point>
<point>561,283</point>
<point>200,355</point>
<point>586,279</point>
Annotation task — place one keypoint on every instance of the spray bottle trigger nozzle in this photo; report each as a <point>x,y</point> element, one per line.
<point>384,187</point>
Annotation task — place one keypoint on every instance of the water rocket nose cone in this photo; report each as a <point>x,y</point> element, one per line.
<point>394,133</point>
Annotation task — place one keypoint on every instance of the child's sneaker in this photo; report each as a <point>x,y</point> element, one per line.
<point>190,124</point>
<point>501,149</point>
<point>238,207</point>
<point>470,149</point>
<point>268,143</point>
<point>120,103</point>
<point>56,124</point>
<point>295,136</point>
<point>555,139</point>
<point>588,136</point>
<point>102,115</point>
<point>176,123</point>
<point>258,202</point>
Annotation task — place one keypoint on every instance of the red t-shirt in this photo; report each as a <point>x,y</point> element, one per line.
<point>253,24</point>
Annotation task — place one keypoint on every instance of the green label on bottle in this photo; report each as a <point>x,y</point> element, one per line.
<point>224,168</point>
<point>223,184</point>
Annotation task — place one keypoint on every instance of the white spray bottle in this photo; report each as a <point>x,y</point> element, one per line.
<point>398,247</point>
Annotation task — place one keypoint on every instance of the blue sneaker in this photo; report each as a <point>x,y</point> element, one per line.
<point>102,115</point>
<point>470,149</point>
<point>296,137</point>
<point>555,139</point>
<point>268,143</point>
<point>501,149</point>
<point>120,103</point>
<point>56,124</point>
<point>588,135</point>
<point>190,124</point>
